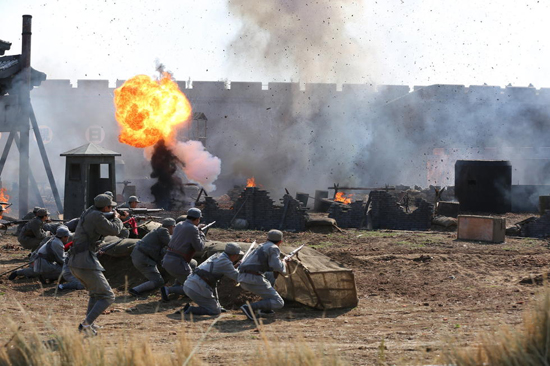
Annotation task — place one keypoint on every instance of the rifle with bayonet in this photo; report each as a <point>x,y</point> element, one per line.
<point>204,229</point>
<point>293,253</point>
<point>138,210</point>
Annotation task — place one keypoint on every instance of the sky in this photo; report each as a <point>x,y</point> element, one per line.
<point>404,42</point>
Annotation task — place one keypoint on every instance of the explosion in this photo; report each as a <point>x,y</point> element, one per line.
<point>149,110</point>
<point>340,197</point>
<point>4,198</point>
<point>251,182</point>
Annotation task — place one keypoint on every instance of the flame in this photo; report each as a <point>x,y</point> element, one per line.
<point>4,198</point>
<point>251,182</point>
<point>341,198</point>
<point>149,110</point>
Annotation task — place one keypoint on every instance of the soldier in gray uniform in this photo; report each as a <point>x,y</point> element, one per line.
<point>256,275</point>
<point>132,202</point>
<point>178,260</point>
<point>148,252</point>
<point>83,262</point>
<point>49,263</point>
<point>29,216</point>
<point>201,286</point>
<point>33,232</point>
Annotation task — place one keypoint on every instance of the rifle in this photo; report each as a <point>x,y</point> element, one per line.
<point>293,253</point>
<point>15,269</point>
<point>204,228</point>
<point>17,222</point>
<point>138,210</point>
<point>248,251</point>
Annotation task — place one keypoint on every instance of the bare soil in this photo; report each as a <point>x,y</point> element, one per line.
<point>416,291</point>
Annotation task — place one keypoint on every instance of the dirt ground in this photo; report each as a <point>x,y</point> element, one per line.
<point>416,291</point>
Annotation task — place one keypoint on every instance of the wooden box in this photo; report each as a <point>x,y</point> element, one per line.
<point>481,228</point>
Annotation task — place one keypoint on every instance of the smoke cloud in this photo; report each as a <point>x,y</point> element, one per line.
<point>199,165</point>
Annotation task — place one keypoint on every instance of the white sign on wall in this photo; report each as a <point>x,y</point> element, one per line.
<point>95,134</point>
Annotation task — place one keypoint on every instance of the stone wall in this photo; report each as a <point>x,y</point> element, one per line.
<point>259,210</point>
<point>347,216</point>
<point>385,213</point>
<point>539,228</point>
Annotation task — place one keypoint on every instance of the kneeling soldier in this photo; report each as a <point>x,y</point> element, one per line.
<point>49,263</point>
<point>178,260</point>
<point>33,232</point>
<point>201,285</point>
<point>256,275</point>
<point>148,252</point>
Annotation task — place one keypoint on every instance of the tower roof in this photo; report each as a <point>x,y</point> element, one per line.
<point>90,150</point>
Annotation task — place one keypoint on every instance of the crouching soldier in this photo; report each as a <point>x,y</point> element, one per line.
<point>33,232</point>
<point>178,260</point>
<point>83,262</point>
<point>148,252</point>
<point>256,275</point>
<point>201,286</point>
<point>49,263</point>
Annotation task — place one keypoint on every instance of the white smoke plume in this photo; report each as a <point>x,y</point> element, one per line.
<point>199,165</point>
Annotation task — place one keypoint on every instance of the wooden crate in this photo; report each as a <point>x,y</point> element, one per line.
<point>481,228</point>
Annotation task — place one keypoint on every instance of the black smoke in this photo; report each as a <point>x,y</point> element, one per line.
<point>168,190</point>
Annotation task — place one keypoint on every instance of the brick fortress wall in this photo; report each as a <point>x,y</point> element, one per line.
<point>384,213</point>
<point>259,210</point>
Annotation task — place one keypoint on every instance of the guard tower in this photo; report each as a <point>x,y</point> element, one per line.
<point>90,170</point>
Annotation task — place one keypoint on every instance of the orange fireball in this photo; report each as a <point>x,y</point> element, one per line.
<point>251,182</point>
<point>149,110</point>
<point>341,198</point>
<point>4,198</point>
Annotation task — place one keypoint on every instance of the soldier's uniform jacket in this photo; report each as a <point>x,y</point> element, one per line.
<point>265,258</point>
<point>50,256</point>
<point>33,229</point>
<point>91,229</point>
<point>186,241</point>
<point>154,243</point>
<point>207,275</point>
<point>30,215</point>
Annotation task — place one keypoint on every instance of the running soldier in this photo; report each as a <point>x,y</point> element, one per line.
<point>83,262</point>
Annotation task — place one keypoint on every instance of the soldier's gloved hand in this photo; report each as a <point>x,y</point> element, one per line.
<point>236,265</point>
<point>201,226</point>
<point>124,215</point>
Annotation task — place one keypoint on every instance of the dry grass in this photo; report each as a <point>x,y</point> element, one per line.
<point>529,345</point>
<point>27,347</point>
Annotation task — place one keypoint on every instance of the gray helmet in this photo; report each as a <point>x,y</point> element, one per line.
<point>180,219</point>
<point>194,213</point>
<point>167,222</point>
<point>109,193</point>
<point>42,212</point>
<point>275,236</point>
<point>35,210</point>
<point>133,199</point>
<point>62,231</point>
<point>103,200</point>
<point>232,249</point>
